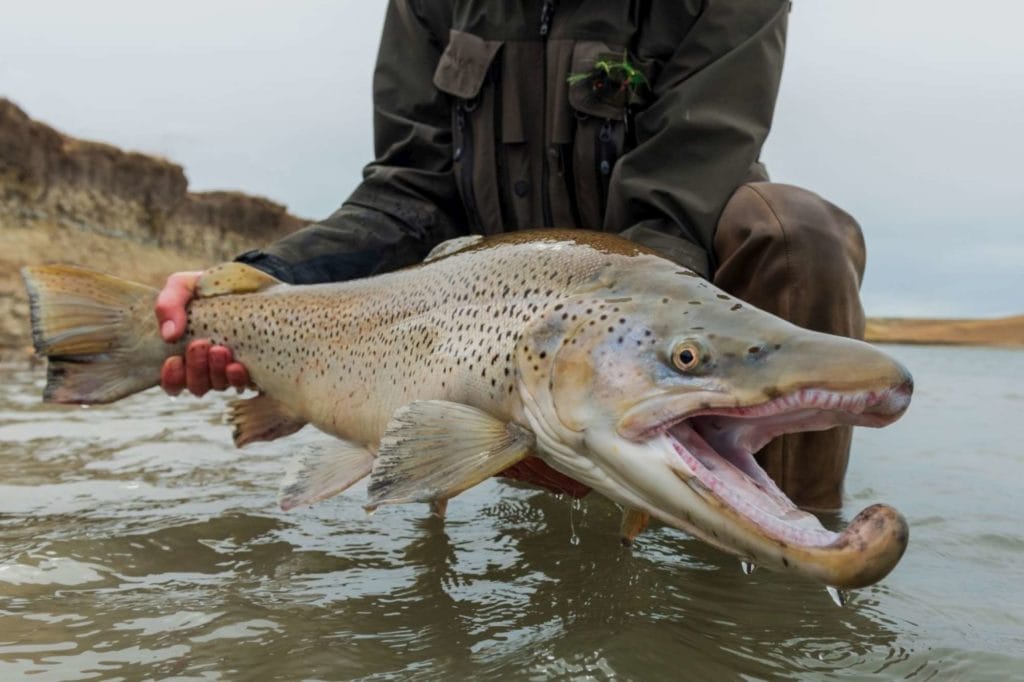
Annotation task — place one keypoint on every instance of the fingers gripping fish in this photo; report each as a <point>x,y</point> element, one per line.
<point>575,360</point>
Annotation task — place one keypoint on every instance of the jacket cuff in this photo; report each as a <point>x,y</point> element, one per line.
<point>268,263</point>
<point>676,249</point>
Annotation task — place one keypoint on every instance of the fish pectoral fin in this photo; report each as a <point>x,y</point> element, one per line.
<point>261,418</point>
<point>321,470</point>
<point>233,278</point>
<point>634,522</point>
<point>433,450</point>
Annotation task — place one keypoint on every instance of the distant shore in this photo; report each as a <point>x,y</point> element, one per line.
<point>1007,332</point>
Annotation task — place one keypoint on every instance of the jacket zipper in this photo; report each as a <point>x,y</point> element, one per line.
<point>465,153</point>
<point>565,160</point>
<point>500,153</point>
<point>605,155</point>
<point>547,11</point>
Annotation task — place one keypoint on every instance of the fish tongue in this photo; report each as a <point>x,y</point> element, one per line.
<point>727,475</point>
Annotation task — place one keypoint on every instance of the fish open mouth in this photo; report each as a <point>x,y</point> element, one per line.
<point>718,445</point>
<point>714,455</point>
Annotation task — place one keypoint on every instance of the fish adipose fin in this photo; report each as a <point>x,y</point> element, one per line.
<point>97,332</point>
<point>321,470</point>
<point>634,522</point>
<point>433,450</point>
<point>447,248</point>
<point>233,278</point>
<point>261,418</point>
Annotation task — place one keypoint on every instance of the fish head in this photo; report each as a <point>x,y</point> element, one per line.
<point>656,389</point>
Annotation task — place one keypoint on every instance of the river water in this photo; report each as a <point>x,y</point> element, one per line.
<point>136,543</point>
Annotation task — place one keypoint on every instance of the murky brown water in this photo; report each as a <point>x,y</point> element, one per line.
<point>136,542</point>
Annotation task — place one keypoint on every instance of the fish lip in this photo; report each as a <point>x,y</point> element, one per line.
<point>867,407</point>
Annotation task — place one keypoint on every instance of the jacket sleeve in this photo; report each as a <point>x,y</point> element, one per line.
<point>701,136</point>
<point>407,201</point>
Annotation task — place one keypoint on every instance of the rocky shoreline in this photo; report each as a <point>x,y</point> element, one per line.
<point>68,200</point>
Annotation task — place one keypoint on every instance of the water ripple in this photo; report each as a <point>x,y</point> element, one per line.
<point>138,543</point>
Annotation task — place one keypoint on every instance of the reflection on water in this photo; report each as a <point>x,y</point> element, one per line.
<point>136,542</point>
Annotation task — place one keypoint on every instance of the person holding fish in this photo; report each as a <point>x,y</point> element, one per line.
<point>641,119</point>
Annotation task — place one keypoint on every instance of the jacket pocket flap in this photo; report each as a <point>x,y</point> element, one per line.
<point>463,66</point>
<point>589,92</point>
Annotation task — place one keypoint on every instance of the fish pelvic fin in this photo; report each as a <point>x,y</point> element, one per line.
<point>98,333</point>
<point>261,418</point>
<point>434,450</point>
<point>634,522</point>
<point>233,278</point>
<point>321,470</point>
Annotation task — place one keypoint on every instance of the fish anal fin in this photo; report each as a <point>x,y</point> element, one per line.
<point>434,450</point>
<point>634,522</point>
<point>233,278</point>
<point>321,470</point>
<point>439,507</point>
<point>261,418</point>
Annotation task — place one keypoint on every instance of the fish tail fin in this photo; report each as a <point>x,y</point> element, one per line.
<point>98,333</point>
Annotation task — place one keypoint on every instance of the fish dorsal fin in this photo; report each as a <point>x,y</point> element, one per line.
<point>261,418</point>
<point>634,522</point>
<point>321,470</point>
<point>447,248</point>
<point>434,449</point>
<point>233,278</point>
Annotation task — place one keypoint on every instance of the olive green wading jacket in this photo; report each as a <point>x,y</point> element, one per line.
<point>492,115</point>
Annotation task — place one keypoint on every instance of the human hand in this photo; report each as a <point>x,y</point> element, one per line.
<point>204,366</point>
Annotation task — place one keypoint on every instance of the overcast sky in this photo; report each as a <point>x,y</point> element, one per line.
<point>908,114</point>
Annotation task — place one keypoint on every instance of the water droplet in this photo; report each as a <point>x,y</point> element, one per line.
<point>576,503</point>
<point>174,398</point>
<point>747,567</point>
<point>573,538</point>
<point>84,406</point>
<point>837,597</point>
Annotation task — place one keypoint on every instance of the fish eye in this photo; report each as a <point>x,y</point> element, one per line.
<point>686,356</point>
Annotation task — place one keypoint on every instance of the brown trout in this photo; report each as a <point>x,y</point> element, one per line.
<point>621,371</point>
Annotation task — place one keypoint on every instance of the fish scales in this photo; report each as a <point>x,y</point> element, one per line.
<point>347,355</point>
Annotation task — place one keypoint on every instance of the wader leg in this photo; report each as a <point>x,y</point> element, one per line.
<point>790,252</point>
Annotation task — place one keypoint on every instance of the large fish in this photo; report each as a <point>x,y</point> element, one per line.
<point>573,360</point>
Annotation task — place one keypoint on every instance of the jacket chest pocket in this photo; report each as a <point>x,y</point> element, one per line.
<point>469,71</point>
<point>599,108</point>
